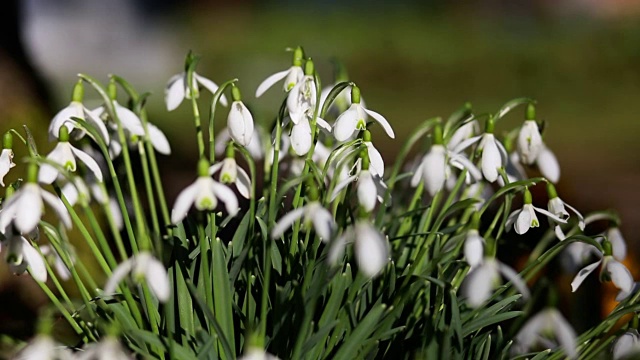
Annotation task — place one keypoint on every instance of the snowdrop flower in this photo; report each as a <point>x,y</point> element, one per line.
<point>256,353</point>
<point>240,120</point>
<point>529,138</point>
<point>368,185</point>
<point>25,207</point>
<point>548,164</point>
<point>75,109</point>
<point>108,348</point>
<point>611,270</point>
<point>494,155</point>
<point>42,347</point>
<point>480,282</point>
<point>301,136</point>
<point>627,346</point>
<point>525,218</point>
<point>65,155</point>
<point>557,207</point>
<point>51,255</point>
<point>6,156</point>
<point>178,86</point>
<point>312,213</point>
<point>474,243</point>
<point>21,255</point>
<point>370,246</point>
<point>143,266</point>
<point>231,173</point>
<point>355,119</point>
<point>342,100</point>
<point>547,329</point>
<point>293,75</point>
<point>464,132</point>
<point>203,194</point>
<point>377,163</point>
<point>76,191</point>
<point>301,101</point>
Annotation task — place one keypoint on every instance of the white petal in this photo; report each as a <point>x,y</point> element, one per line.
<point>114,207</point>
<point>620,275</point>
<point>511,219</point>
<point>6,163</point>
<point>479,283</point>
<point>157,279</point>
<point>119,273</point>
<point>341,185</point>
<point>285,222</point>
<point>29,208</point>
<point>130,121</point>
<point>184,202</point>
<point>434,169</point>
<point>323,124</point>
<point>301,137</point>
<point>523,222</point>
<point>466,143</point>
<point>464,132</point>
<point>175,91</point>
<point>240,123</point>
<point>371,249</point>
<point>366,189</point>
<point>322,221</point>
<point>382,121</point>
<point>548,165</point>
<point>158,139</point>
<point>74,109</point>
<point>295,76</point>
<point>227,197</point>
<point>345,124</point>
<point>626,345</point>
<point>582,274</point>
<point>550,215</point>
<point>565,334</point>
<point>529,142</point>
<point>243,183</point>
<point>91,119</point>
<point>417,175</point>
<point>376,162</point>
<point>58,207</point>
<point>270,81</point>
<point>47,174</point>
<point>70,192</point>
<point>473,248</point>
<point>209,85</point>
<point>336,248</point>
<point>467,164</point>
<point>35,261</point>
<point>581,222</point>
<point>89,161</point>
<point>491,159</point>
<point>618,244</point>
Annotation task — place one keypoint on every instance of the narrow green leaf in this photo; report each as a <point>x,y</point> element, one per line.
<point>354,341</point>
<point>222,290</point>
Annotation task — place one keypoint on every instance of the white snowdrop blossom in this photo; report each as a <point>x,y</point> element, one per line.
<point>76,110</point>
<point>231,173</point>
<point>203,194</point>
<point>240,123</point>
<point>548,329</point>
<point>377,163</point>
<point>371,248</point>
<point>24,208</point>
<point>480,282</point>
<point>65,154</point>
<point>464,132</point>
<point>494,155</point>
<point>627,346</point>
<point>369,188</point>
<point>525,218</point>
<point>256,353</point>
<point>6,163</point>
<point>355,118</point>
<point>558,207</point>
<point>473,248</point>
<point>293,75</point>
<point>312,213</point>
<point>301,100</point>
<point>342,100</point>
<point>301,137</point>
<point>108,348</point>
<point>21,255</point>
<point>43,347</point>
<point>178,89</point>
<point>548,164</point>
<point>143,266</point>
<point>529,142</point>
<point>610,270</point>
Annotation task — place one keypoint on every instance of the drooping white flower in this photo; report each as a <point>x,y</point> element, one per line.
<point>369,188</point>
<point>43,347</point>
<point>65,154</point>
<point>301,136</point>
<point>24,208</point>
<point>370,246</point>
<point>178,89</point>
<point>355,118</point>
<point>231,173</point>
<point>529,142</point>
<point>548,329</point>
<point>473,248</point>
<point>301,100</point>
<point>377,163</point>
<point>627,346</point>
<point>548,164</point>
<point>21,255</point>
<point>240,123</point>
<point>314,213</point>
<point>557,207</point>
<point>76,110</point>
<point>143,266</point>
<point>480,282</point>
<point>494,155</point>
<point>6,163</point>
<point>203,194</point>
<point>525,218</point>
<point>611,270</point>
<point>108,348</point>
<point>432,170</point>
<point>293,75</point>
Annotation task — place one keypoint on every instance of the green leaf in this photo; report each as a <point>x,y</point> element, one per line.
<point>353,342</point>
<point>222,290</point>
<point>510,105</point>
<point>230,354</point>
<point>484,321</point>
<point>159,342</point>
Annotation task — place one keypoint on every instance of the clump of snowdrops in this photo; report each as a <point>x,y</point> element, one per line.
<point>296,240</point>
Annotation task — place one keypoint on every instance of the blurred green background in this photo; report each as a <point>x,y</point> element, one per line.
<point>412,59</point>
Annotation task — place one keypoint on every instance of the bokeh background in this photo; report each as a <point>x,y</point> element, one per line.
<point>413,59</point>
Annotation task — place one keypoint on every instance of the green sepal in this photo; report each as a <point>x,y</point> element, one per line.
<point>203,167</point>
<point>7,140</point>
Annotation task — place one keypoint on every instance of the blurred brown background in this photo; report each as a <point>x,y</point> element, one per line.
<point>412,59</point>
